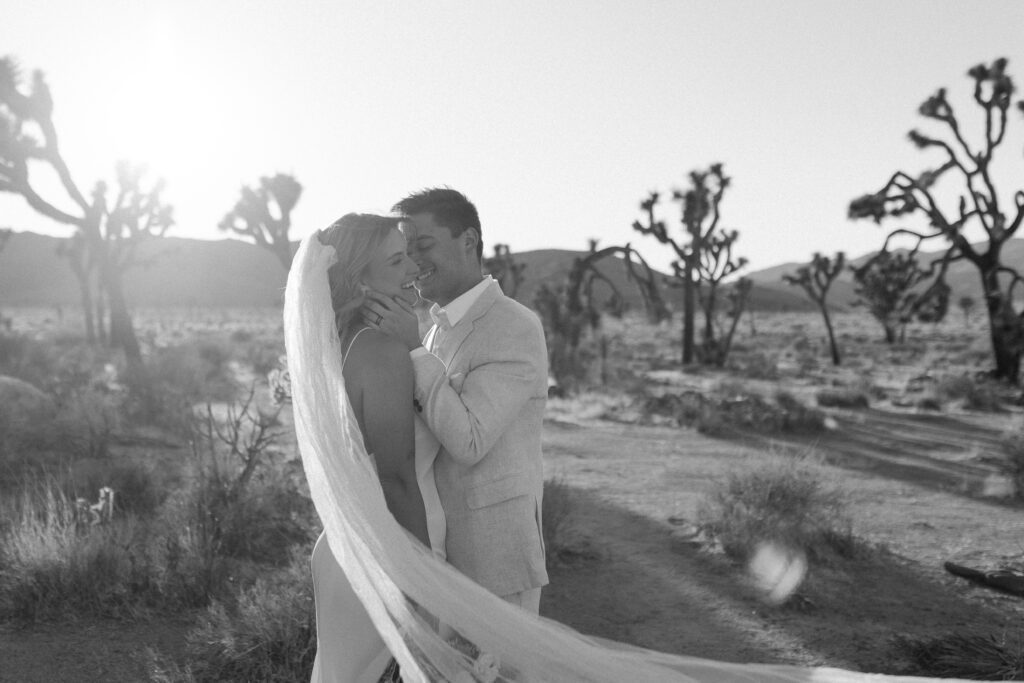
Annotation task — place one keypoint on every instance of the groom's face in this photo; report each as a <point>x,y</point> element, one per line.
<point>447,263</point>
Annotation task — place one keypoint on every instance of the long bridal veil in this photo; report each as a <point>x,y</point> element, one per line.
<point>403,586</point>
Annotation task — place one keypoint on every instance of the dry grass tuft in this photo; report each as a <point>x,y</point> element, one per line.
<point>971,656</point>
<point>787,500</point>
<point>976,393</point>
<point>268,633</point>
<point>842,398</point>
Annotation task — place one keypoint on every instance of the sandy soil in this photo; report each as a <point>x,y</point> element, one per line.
<point>915,494</point>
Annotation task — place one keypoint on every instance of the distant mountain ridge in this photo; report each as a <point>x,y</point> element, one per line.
<point>175,271</point>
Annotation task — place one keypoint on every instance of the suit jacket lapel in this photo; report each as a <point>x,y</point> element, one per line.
<point>453,338</point>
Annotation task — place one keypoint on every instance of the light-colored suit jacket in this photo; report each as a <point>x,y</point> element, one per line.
<point>482,392</point>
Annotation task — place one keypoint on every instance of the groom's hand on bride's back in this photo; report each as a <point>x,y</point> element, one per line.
<point>393,317</point>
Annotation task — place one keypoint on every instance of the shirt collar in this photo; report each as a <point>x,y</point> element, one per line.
<point>453,313</point>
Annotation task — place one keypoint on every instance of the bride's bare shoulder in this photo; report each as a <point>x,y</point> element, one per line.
<point>376,351</point>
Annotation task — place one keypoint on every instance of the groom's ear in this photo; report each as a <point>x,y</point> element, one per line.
<point>471,238</point>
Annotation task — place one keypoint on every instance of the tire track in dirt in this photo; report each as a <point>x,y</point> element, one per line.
<point>942,452</point>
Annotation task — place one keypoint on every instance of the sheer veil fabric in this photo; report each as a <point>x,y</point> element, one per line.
<point>404,587</point>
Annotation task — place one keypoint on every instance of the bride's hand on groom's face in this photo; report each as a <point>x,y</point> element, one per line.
<point>392,316</point>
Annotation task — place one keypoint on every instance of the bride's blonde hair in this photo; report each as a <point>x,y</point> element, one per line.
<point>356,237</point>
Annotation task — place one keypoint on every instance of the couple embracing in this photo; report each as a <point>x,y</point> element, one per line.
<point>423,462</point>
<point>452,421</point>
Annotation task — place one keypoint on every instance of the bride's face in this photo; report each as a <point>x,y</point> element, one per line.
<point>391,271</point>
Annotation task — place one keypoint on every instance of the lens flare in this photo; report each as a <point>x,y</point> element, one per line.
<point>777,570</point>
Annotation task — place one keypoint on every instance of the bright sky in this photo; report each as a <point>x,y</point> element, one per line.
<point>555,118</point>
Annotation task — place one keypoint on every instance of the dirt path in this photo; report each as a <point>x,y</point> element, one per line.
<point>85,651</point>
<point>651,589</point>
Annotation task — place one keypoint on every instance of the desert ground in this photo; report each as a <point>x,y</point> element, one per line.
<point>909,443</point>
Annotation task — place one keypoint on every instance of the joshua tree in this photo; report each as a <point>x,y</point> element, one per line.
<point>701,213</point>
<point>816,278</point>
<point>570,309</point>
<point>646,280</point>
<point>108,229</point>
<point>886,285</point>
<point>716,263</point>
<point>966,304</point>
<point>503,268</point>
<point>264,215</point>
<point>979,210</point>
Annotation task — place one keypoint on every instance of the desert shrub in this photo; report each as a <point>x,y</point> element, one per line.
<point>735,409</point>
<point>198,370</point>
<point>754,413</point>
<point>241,337</point>
<point>86,422</point>
<point>176,377</point>
<point>798,418</point>
<point>263,356</point>
<point>685,408</point>
<point>251,510</point>
<point>268,634</point>
<point>52,563</point>
<point>559,506</point>
<point>842,398</point>
<point>786,500</point>
<point>136,488</point>
<point>976,393</point>
<point>260,522</point>
<point>28,359</point>
<point>967,655</point>
<point>757,366</point>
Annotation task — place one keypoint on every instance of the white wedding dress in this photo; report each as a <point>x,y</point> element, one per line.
<point>376,582</point>
<point>348,647</point>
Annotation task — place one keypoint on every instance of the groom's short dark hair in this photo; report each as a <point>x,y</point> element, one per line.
<point>450,208</point>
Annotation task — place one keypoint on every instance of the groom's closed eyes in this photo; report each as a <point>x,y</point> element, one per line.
<point>421,244</point>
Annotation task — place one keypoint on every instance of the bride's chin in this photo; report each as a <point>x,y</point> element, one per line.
<point>409,296</point>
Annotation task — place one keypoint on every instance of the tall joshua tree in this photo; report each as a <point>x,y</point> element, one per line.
<point>264,215</point>
<point>980,209</point>
<point>109,229</point>
<point>701,215</point>
<point>816,278</point>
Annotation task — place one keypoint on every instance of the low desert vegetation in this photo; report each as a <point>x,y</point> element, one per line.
<point>787,500</point>
<point>968,655</point>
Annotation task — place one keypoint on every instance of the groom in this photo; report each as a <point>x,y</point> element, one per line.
<point>481,387</point>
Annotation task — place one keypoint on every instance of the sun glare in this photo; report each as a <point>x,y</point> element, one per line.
<point>163,111</point>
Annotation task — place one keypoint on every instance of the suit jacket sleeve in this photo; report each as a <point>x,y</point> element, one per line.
<point>507,370</point>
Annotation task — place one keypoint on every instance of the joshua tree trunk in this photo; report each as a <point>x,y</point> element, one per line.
<point>122,334</point>
<point>831,336</point>
<point>688,310</point>
<point>1006,327</point>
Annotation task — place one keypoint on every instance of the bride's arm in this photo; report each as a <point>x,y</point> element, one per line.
<point>387,394</point>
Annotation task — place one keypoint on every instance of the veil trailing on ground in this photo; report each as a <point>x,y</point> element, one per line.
<point>403,586</point>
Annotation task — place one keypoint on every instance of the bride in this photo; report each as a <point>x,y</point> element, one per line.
<point>382,586</point>
<point>377,373</point>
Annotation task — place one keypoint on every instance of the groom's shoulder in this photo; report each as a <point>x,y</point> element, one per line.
<point>510,317</point>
